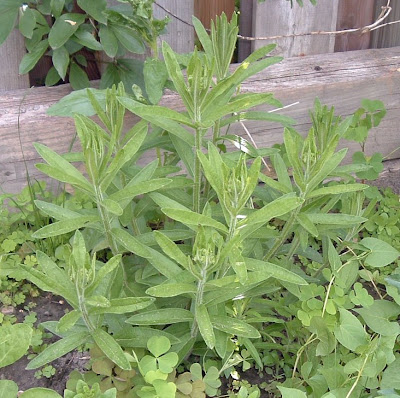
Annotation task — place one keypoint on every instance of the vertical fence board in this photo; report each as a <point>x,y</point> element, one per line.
<point>389,36</point>
<point>206,10</point>
<point>11,53</point>
<point>354,14</point>
<point>245,28</point>
<point>180,36</point>
<point>276,17</point>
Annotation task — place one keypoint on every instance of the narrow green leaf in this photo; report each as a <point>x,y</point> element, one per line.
<point>58,349</point>
<point>111,348</point>
<point>112,207</point>
<point>64,226</point>
<point>274,270</point>
<point>336,190</point>
<point>335,218</point>
<point>163,316</point>
<point>253,352</point>
<point>203,37</point>
<point>57,161</point>
<point>171,289</point>
<point>234,326</point>
<point>86,39</point>
<point>55,211</point>
<point>205,325</point>
<point>110,266</point>
<point>191,218</point>
<point>171,249</point>
<point>124,305</point>
<point>274,209</point>
<point>160,262</point>
<point>307,224</point>
<point>130,191</point>
<point>68,320</point>
<point>176,76</point>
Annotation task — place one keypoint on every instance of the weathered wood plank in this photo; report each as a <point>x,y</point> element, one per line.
<point>354,14</point>
<point>11,53</point>
<point>273,18</point>
<point>340,79</point>
<point>179,36</point>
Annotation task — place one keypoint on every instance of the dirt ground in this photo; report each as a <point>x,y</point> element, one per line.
<point>48,308</point>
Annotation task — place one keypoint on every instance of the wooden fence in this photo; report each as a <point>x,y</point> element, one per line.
<point>257,19</point>
<point>339,79</point>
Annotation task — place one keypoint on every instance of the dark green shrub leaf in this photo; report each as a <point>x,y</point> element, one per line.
<point>64,27</point>
<point>108,40</point>
<point>78,77</point>
<point>60,60</point>
<point>52,77</point>
<point>128,38</point>
<point>8,17</point>
<point>292,393</point>
<point>27,22</point>
<point>94,9</point>
<point>30,59</point>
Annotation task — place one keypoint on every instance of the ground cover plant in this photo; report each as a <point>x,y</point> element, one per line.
<point>198,265</point>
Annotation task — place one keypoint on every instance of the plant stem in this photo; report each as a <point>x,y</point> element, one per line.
<point>197,173</point>
<point>199,300</point>
<point>287,229</point>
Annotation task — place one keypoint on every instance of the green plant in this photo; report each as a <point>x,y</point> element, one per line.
<point>223,262</point>
<point>62,29</point>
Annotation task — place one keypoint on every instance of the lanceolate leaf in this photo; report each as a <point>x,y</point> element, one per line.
<point>335,218</point>
<point>64,226</point>
<point>275,271</point>
<point>111,348</point>
<point>124,305</point>
<point>171,289</point>
<point>234,326</point>
<point>64,27</point>
<point>163,316</point>
<point>30,59</point>
<point>58,349</point>
<point>191,218</point>
<point>205,325</point>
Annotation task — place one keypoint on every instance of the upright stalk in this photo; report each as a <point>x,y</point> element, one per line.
<point>197,172</point>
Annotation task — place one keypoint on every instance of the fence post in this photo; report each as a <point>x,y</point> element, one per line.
<point>389,36</point>
<point>354,14</point>
<point>245,28</point>
<point>276,18</point>
<point>206,10</point>
<point>11,53</point>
